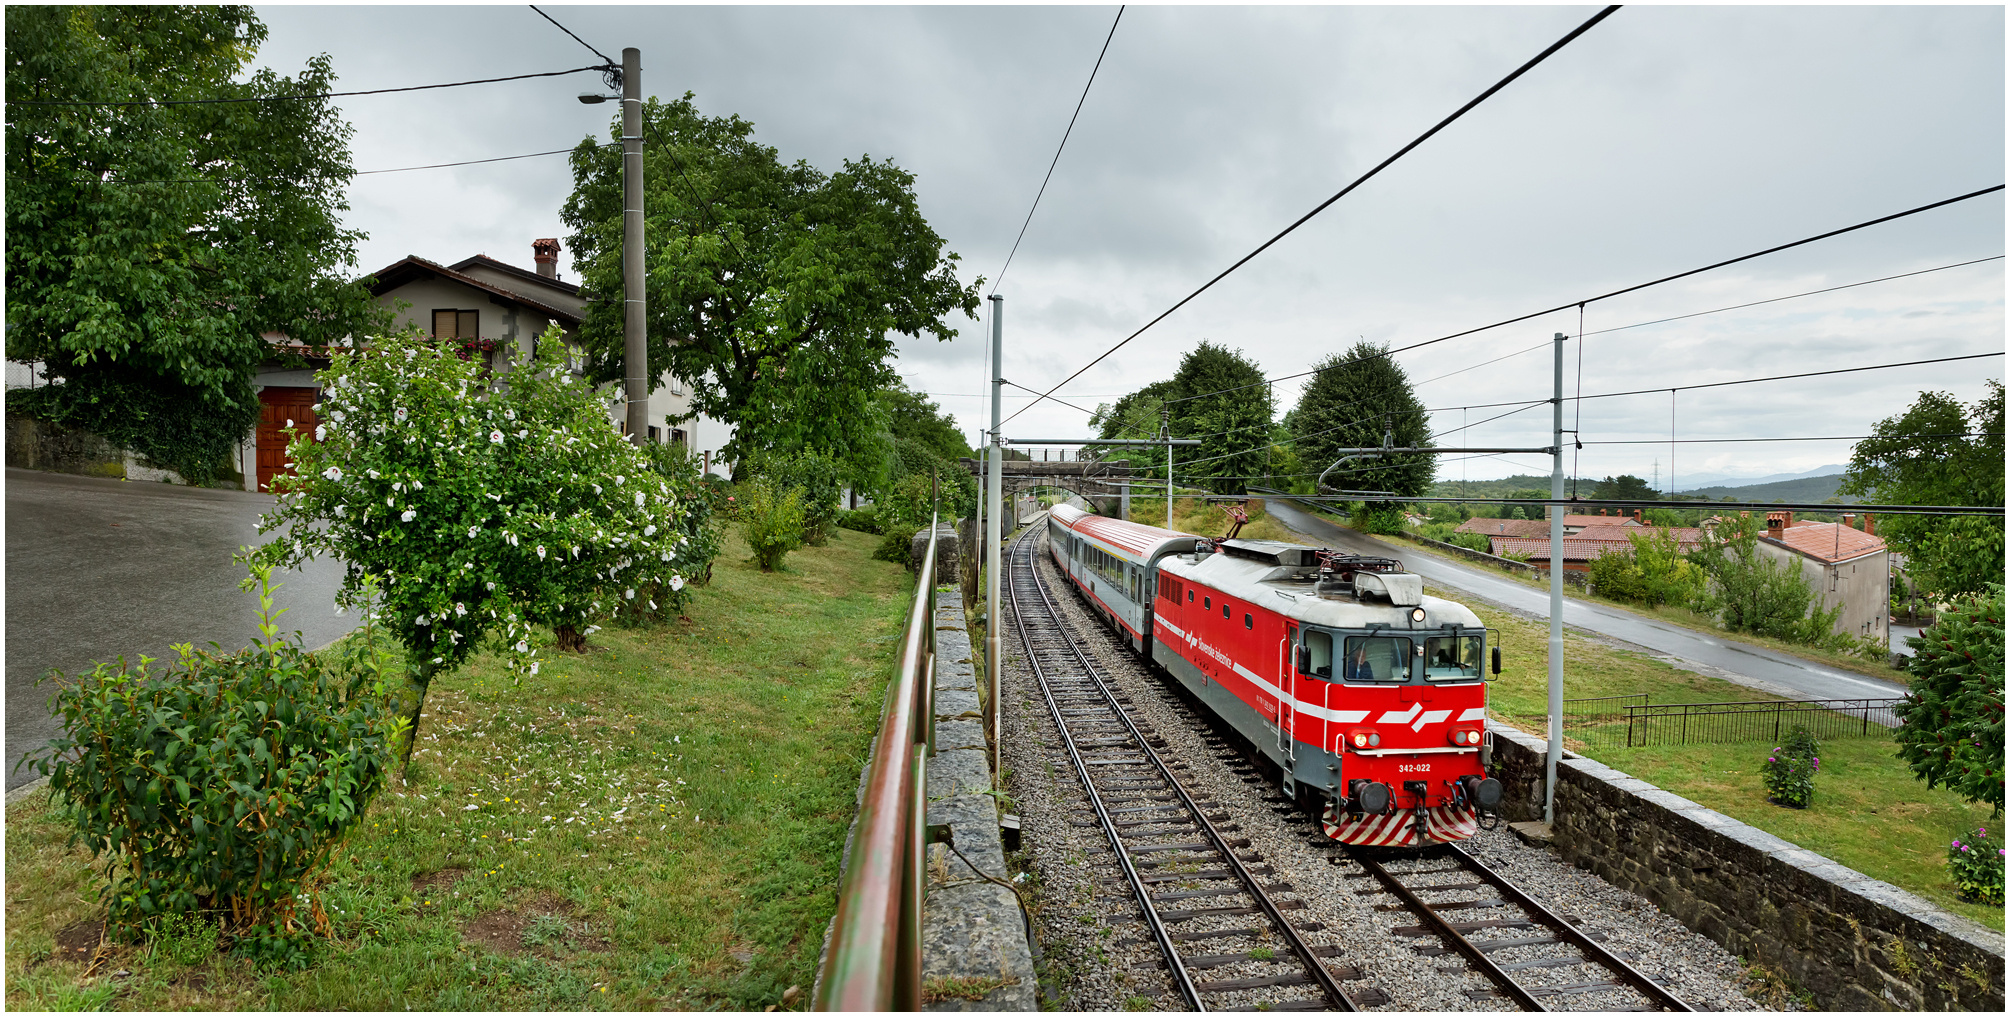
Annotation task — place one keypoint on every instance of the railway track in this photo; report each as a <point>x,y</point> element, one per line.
<point>1510,934</point>
<point>1202,902</point>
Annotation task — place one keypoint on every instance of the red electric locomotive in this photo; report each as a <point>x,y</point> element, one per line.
<point>1362,690</point>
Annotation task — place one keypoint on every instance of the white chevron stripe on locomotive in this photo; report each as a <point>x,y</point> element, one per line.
<point>1444,824</point>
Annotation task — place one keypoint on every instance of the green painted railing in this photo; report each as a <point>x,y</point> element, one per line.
<point>874,958</point>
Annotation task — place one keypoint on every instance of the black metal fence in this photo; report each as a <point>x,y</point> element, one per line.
<point>1630,722</point>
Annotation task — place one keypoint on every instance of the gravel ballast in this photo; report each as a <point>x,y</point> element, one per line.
<point>1096,953</point>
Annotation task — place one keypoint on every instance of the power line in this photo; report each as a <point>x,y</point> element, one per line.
<point>1322,206</point>
<point>1023,388</point>
<point>1783,377</point>
<point>1793,296</point>
<point>290,98</point>
<point>1603,296</point>
<point>1826,437</point>
<point>1572,503</point>
<point>359,173</point>
<point>1057,151</point>
<point>610,60</point>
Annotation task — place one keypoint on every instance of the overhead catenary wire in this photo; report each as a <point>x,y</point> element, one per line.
<point>1057,152</point>
<point>575,37</point>
<point>1784,377</point>
<point>1606,296</point>
<point>1343,192</point>
<point>358,173</point>
<point>294,98</point>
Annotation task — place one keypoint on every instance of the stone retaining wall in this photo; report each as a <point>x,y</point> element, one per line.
<point>972,930</point>
<point>1853,942</point>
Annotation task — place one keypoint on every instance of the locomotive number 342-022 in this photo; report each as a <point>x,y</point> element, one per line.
<point>1413,768</point>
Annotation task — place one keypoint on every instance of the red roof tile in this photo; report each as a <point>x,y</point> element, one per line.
<point>1827,542</point>
<point>1506,527</point>
<point>1592,520</point>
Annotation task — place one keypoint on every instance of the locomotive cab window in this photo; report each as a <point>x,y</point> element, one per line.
<point>1376,659</point>
<point>1452,658</point>
<point>1319,655</point>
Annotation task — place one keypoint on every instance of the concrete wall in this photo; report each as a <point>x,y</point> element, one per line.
<point>1853,942</point>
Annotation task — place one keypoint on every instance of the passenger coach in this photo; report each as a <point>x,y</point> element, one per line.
<point>1362,690</point>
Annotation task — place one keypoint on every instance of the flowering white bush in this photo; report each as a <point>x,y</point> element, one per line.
<point>483,510</point>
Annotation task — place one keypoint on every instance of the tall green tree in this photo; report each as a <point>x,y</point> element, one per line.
<point>1137,415</point>
<point>1219,396</point>
<point>1951,729</point>
<point>1357,396</point>
<point>1625,487</point>
<point>1938,453</point>
<point>149,246</point>
<point>912,415</point>
<point>774,288</point>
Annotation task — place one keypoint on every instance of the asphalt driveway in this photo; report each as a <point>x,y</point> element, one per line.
<point>99,568</point>
<point>1754,666</point>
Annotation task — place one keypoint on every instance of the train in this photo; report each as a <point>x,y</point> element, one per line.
<point>1368,696</point>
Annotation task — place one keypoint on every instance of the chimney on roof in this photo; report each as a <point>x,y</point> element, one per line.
<point>546,253</point>
<point>1636,515</point>
<point>1849,520</point>
<point>1777,523</point>
<point>1870,524</point>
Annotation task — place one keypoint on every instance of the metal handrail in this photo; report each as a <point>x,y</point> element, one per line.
<point>1859,710</point>
<point>874,959</point>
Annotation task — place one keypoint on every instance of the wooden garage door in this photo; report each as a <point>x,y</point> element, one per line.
<point>277,406</point>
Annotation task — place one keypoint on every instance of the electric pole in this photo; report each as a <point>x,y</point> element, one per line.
<point>635,344</point>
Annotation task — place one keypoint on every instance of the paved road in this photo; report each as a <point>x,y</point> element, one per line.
<point>98,568</point>
<point>1771,671</point>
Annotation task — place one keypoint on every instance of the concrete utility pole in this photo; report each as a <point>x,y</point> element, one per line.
<point>1555,596</point>
<point>635,345</point>
<point>994,477</point>
<point>1165,432</point>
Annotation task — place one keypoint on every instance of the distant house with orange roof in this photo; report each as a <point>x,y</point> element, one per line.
<point>1845,565</point>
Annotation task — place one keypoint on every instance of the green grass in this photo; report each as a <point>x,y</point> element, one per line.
<point>656,824</point>
<point>1868,813</point>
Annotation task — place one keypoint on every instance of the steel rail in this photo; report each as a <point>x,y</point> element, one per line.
<point>1436,923</point>
<point>1024,557</point>
<point>1632,976</point>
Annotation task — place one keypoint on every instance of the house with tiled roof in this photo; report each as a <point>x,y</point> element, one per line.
<point>1845,565</point>
<point>1613,536</point>
<point>1505,527</point>
<point>497,311</point>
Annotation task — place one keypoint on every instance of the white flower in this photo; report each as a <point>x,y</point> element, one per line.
<point>340,416</point>
<point>417,486</point>
<point>332,473</point>
<point>492,586</point>
<point>338,511</point>
<point>523,434</point>
<point>472,530</point>
<point>460,609</point>
<point>289,421</point>
<point>540,552</point>
<point>439,660</point>
<point>388,503</point>
<point>652,605</point>
<point>676,583</point>
<point>512,540</point>
<point>408,515</point>
<point>522,646</point>
<point>495,437</point>
<point>533,667</point>
<point>618,478</point>
<point>399,414</point>
<point>631,594</point>
<point>638,499</point>
<point>649,530</point>
<point>320,432</point>
<point>509,414</point>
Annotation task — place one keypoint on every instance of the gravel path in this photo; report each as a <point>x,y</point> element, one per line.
<point>1095,954</point>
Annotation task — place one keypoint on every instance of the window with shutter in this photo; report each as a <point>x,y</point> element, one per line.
<point>446,323</point>
<point>469,324</point>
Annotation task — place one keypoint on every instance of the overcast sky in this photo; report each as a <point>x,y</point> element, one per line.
<point>1664,139</point>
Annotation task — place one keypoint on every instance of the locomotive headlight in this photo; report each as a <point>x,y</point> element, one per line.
<point>1360,740</point>
<point>1374,738</point>
<point>1417,615</point>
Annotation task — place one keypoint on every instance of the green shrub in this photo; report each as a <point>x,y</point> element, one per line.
<point>771,520</point>
<point>1615,574</point>
<point>217,786</point>
<point>1471,542</point>
<point>1975,862</point>
<point>815,474</point>
<point>1749,592</point>
<point>1951,721</point>
<point>1789,771</point>
<point>865,520</point>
